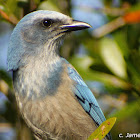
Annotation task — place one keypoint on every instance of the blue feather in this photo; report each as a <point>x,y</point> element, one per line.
<point>86,97</point>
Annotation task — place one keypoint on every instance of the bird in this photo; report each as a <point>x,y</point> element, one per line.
<point>52,97</point>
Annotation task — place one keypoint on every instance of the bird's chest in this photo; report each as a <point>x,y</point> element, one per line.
<point>43,97</point>
<point>33,83</point>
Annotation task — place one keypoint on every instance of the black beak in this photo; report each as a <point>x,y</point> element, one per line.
<point>74,26</point>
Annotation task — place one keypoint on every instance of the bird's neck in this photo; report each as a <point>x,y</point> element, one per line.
<point>37,78</point>
<point>50,51</point>
<point>47,53</point>
<point>52,46</point>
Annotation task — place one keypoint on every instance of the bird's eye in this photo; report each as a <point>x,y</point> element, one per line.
<point>47,22</point>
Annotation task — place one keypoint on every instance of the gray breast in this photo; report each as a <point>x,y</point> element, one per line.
<point>38,81</point>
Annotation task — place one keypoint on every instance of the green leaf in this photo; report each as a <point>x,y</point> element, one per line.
<point>134,7</point>
<point>48,5</point>
<point>121,39</point>
<point>113,57</point>
<point>103,129</point>
<point>83,64</point>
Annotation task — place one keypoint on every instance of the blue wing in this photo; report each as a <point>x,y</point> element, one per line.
<point>86,97</point>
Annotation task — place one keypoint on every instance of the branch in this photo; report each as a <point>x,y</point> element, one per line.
<point>12,19</point>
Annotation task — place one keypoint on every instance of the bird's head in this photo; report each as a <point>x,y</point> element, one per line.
<point>37,32</point>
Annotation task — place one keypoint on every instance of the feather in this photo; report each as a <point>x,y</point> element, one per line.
<point>86,98</point>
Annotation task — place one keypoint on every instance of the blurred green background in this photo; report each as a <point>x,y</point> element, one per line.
<point>107,56</point>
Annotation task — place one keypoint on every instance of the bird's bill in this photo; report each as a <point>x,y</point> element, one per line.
<point>75,25</point>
